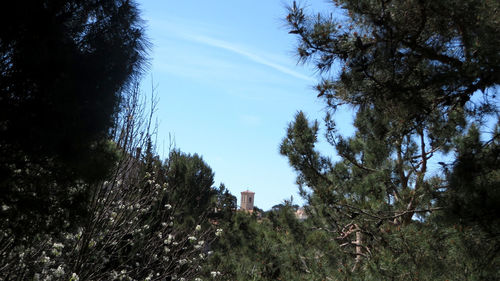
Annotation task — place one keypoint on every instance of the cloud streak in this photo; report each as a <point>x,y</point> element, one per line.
<point>251,56</point>
<point>191,32</point>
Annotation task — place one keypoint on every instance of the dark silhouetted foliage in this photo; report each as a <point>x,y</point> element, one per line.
<point>64,68</point>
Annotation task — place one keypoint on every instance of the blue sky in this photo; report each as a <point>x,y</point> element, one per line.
<point>228,85</point>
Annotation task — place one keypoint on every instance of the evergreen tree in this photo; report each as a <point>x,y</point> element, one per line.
<point>426,56</point>
<point>474,181</point>
<point>226,204</point>
<point>409,69</point>
<point>191,180</point>
<point>64,68</point>
<point>65,65</point>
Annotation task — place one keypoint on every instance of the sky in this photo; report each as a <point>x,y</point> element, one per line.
<point>228,85</point>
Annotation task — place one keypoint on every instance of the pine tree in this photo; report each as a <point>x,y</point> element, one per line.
<point>409,69</point>
<point>426,56</point>
<point>192,182</point>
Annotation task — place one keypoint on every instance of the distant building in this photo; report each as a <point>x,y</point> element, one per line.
<point>301,214</point>
<point>247,200</point>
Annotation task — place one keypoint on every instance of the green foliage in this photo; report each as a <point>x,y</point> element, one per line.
<point>423,55</point>
<point>226,204</point>
<point>404,235</point>
<point>409,69</point>
<point>191,180</point>
<point>65,67</point>
<point>275,247</point>
<point>474,182</point>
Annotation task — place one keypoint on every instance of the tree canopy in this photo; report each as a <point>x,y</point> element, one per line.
<point>64,67</point>
<point>418,75</point>
<point>423,55</point>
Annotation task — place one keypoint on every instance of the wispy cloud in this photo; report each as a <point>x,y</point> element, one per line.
<point>191,31</point>
<point>241,51</point>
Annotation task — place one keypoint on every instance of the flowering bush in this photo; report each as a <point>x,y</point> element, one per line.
<point>136,228</point>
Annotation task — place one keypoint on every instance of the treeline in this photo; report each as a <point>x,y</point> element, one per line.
<point>414,196</point>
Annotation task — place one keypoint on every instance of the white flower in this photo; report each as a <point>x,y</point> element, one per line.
<point>182,261</point>
<point>74,277</point>
<point>218,232</point>
<point>59,271</point>
<point>192,238</point>
<point>198,228</point>
<point>166,249</point>
<point>168,206</point>
<point>55,252</point>
<point>169,239</point>
<point>58,245</point>
<point>5,207</point>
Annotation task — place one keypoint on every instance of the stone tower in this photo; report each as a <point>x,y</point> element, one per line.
<point>247,199</point>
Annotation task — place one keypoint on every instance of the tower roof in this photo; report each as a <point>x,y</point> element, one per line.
<point>248,191</point>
